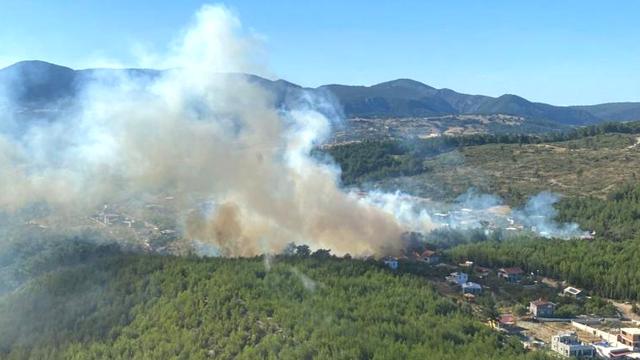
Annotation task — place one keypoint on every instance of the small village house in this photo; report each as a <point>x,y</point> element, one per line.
<point>542,308</point>
<point>458,278</point>
<point>512,274</point>
<point>471,288</point>
<point>429,257</point>
<point>573,292</point>
<point>505,323</point>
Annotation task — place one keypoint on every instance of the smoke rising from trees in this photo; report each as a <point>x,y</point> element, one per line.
<point>205,134</point>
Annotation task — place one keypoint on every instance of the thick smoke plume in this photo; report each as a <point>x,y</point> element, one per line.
<point>237,169</point>
<point>204,135</point>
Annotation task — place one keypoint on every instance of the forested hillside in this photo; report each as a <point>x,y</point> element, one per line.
<point>616,218</point>
<point>607,268</point>
<point>588,161</point>
<point>80,298</point>
<point>128,306</point>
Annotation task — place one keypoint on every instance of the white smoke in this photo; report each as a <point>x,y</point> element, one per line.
<point>239,169</point>
<point>307,282</point>
<point>472,211</point>
<point>538,214</point>
<point>201,133</point>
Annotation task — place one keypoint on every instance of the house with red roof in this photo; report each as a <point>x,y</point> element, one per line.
<point>511,274</point>
<point>430,257</point>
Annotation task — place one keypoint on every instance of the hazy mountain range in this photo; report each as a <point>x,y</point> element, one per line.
<point>37,84</point>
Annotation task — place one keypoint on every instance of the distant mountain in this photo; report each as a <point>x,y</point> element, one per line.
<point>623,111</point>
<point>404,97</point>
<point>398,98</point>
<point>36,84</point>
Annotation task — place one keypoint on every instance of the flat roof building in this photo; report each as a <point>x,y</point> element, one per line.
<point>569,345</point>
<point>573,292</point>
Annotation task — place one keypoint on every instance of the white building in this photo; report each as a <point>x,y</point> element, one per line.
<point>458,278</point>
<point>569,345</point>
<point>607,350</point>
<point>573,292</point>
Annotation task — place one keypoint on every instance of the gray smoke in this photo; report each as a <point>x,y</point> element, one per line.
<point>200,134</point>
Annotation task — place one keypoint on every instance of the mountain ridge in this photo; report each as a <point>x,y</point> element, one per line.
<point>35,83</point>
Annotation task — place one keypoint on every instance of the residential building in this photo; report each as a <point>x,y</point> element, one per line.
<point>606,350</point>
<point>569,345</point>
<point>471,288</point>
<point>512,274</point>
<point>542,308</point>
<point>458,278</point>
<point>630,337</point>
<point>430,257</point>
<point>505,323</point>
<point>573,292</point>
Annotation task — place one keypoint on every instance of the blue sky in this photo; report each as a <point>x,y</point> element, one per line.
<point>560,52</point>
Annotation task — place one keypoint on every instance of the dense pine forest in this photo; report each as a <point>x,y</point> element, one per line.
<point>615,218</point>
<point>608,268</point>
<point>104,303</point>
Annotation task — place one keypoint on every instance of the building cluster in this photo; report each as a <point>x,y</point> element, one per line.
<point>114,217</point>
<point>625,344</point>
<point>360,129</point>
<point>469,289</point>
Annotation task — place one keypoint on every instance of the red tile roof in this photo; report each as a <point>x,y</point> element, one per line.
<point>507,319</point>
<point>512,271</point>
<point>428,253</point>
